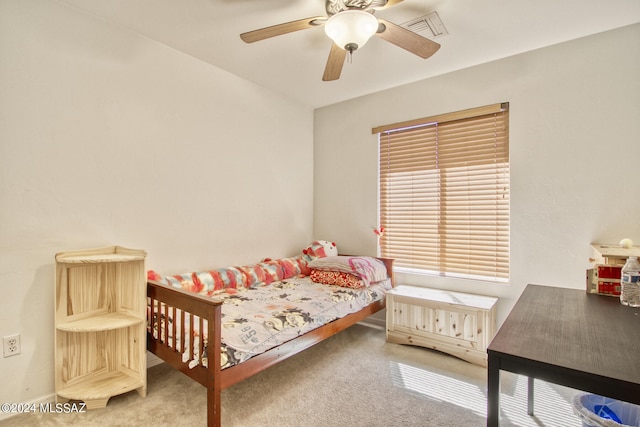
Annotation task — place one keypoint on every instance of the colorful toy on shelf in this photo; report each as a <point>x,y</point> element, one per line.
<point>607,260</point>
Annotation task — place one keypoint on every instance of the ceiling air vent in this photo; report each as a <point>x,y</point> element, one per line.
<point>428,26</point>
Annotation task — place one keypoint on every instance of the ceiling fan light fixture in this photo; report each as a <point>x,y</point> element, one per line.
<point>351,29</point>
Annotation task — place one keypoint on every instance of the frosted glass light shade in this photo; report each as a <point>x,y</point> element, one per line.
<point>351,29</point>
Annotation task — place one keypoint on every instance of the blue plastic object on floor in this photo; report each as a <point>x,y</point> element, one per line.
<point>600,411</point>
<point>603,411</point>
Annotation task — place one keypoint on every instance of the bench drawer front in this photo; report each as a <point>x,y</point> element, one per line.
<point>458,329</point>
<point>457,324</point>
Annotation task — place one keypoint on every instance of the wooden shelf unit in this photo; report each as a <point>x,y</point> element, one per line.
<point>612,254</point>
<point>100,313</point>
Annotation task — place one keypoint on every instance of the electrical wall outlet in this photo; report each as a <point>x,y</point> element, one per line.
<point>11,345</point>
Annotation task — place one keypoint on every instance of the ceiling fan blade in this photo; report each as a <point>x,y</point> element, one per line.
<point>334,64</point>
<point>287,27</point>
<point>408,40</point>
<point>388,4</point>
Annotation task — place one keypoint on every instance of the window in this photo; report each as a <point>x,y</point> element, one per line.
<point>444,193</point>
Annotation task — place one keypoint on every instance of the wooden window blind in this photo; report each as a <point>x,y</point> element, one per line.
<point>444,193</point>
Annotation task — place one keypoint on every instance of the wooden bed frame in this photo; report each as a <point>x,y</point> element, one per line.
<point>166,300</point>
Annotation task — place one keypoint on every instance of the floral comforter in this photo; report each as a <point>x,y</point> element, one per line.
<point>257,319</point>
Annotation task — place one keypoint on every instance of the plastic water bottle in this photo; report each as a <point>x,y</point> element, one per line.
<point>630,283</point>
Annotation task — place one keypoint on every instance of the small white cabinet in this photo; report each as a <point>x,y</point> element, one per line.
<point>100,314</point>
<point>452,322</point>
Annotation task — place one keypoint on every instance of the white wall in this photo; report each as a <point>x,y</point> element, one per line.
<point>108,138</point>
<point>574,147</point>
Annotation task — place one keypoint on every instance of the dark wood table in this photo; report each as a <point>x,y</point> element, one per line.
<point>567,337</point>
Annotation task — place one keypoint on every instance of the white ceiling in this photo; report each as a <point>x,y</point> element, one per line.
<point>292,64</point>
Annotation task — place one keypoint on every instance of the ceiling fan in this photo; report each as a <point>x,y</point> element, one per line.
<point>350,23</point>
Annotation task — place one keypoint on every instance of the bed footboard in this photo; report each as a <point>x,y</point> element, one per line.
<point>170,309</point>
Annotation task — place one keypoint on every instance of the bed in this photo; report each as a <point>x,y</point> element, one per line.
<point>232,308</point>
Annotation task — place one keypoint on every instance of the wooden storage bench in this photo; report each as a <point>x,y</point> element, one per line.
<point>452,322</point>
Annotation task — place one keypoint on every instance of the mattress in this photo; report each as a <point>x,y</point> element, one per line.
<point>257,319</point>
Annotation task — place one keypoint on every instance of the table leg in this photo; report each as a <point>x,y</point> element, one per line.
<point>493,391</point>
<point>530,396</point>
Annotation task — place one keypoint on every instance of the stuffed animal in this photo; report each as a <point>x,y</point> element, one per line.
<point>320,249</point>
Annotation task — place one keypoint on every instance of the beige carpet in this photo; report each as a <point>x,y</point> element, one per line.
<point>352,379</point>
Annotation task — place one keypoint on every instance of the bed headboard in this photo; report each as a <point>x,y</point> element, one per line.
<point>388,262</point>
